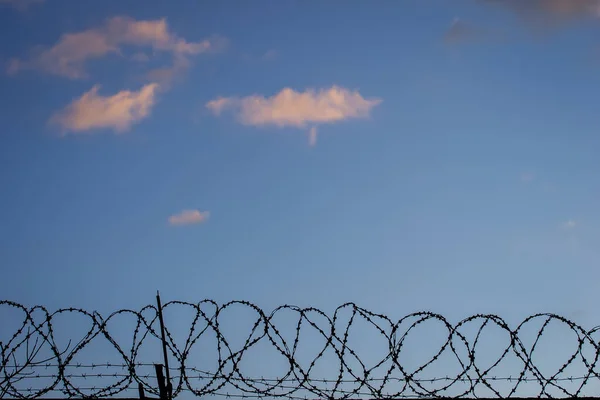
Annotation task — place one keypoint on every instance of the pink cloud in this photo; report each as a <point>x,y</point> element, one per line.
<point>118,112</point>
<point>188,217</point>
<point>68,56</point>
<point>292,108</point>
<point>297,109</point>
<point>551,10</point>
<point>219,104</point>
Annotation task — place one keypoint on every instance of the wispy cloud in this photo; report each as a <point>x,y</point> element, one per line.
<point>20,5</point>
<point>181,62</point>
<point>551,11</point>
<point>539,16</point>
<point>219,104</point>
<point>69,55</point>
<point>117,112</point>
<point>296,109</point>
<point>122,36</point>
<point>188,217</point>
<point>570,224</point>
<point>461,31</point>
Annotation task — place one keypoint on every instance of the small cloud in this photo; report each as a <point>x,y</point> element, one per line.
<point>118,112</point>
<point>461,31</point>
<point>20,5</point>
<point>188,217</point>
<point>527,177</point>
<point>570,224</point>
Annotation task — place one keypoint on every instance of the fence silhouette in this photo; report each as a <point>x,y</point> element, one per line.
<point>291,352</point>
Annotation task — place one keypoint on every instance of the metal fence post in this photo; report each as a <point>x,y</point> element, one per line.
<point>168,388</point>
<point>162,390</point>
<point>141,391</point>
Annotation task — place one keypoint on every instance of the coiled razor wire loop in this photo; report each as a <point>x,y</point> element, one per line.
<point>33,363</point>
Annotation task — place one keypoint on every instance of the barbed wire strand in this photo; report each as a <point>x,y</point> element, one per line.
<point>21,360</point>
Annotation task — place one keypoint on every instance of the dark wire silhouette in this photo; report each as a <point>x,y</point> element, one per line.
<point>27,372</point>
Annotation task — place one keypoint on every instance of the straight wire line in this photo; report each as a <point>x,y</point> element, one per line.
<point>273,380</point>
<point>204,374</point>
<point>107,365</point>
<point>84,376</point>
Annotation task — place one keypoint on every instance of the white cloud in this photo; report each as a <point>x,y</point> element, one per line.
<point>570,224</point>
<point>117,112</point>
<point>68,56</point>
<point>296,109</point>
<point>187,217</point>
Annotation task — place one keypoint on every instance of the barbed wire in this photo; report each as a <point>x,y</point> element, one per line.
<point>34,362</point>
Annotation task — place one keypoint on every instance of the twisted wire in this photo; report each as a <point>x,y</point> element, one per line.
<point>33,363</point>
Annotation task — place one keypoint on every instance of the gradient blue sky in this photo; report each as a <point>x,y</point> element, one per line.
<point>459,173</point>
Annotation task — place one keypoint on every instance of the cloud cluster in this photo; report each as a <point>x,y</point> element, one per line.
<point>118,112</point>
<point>68,57</point>
<point>296,109</point>
<point>188,217</point>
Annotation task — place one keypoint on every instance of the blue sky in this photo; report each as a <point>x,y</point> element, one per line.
<point>424,156</point>
<point>405,156</point>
